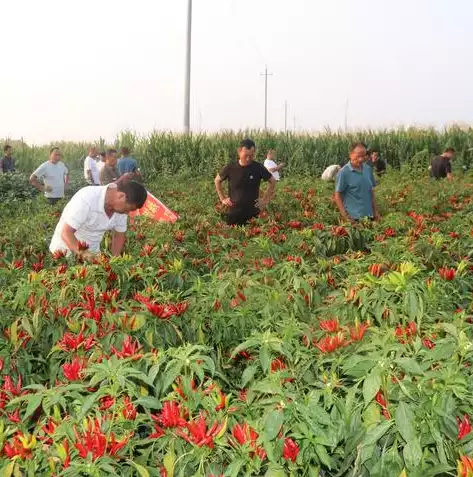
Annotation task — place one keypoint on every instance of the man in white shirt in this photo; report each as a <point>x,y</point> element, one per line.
<point>91,171</point>
<point>53,175</point>
<point>271,165</point>
<point>331,172</point>
<point>101,162</point>
<point>93,211</point>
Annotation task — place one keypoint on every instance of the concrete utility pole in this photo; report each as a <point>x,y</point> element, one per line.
<point>266,74</point>
<point>187,99</point>
<point>346,116</point>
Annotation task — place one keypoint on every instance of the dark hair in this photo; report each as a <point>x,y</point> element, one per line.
<point>6,148</point>
<point>371,151</point>
<point>102,154</point>
<point>135,192</point>
<point>247,144</point>
<point>355,145</point>
<point>450,149</point>
<point>124,151</point>
<point>109,152</point>
<point>53,149</point>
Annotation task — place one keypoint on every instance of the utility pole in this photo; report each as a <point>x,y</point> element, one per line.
<point>266,74</point>
<point>285,116</point>
<point>187,99</point>
<point>294,123</point>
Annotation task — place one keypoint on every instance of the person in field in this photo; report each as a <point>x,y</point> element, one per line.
<point>91,212</point>
<point>331,172</point>
<point>244,179</point>
<point>270,164</point>
<point>109,172</point>
<point>127,164</point>
<point>51,177</point>
<point>376,163</point>
<point>91,171</point>
<point>354,190</point>
<point>441,166</point>
<point>101,161</point>
<point>7,163</point>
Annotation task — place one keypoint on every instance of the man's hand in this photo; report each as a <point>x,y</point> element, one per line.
<point>377,217</point>
<point>48,188</point>
<point>227,201</point>
<point>86,256</point>
<point>281,165</point>
<point>261,203</point>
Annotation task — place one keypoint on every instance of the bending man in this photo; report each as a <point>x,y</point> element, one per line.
<point>93,211</point>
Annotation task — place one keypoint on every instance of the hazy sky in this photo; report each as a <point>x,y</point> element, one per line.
<point>81,70</point>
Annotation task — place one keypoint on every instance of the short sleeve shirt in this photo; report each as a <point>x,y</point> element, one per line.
<point>356,188</point>
<point>441,166</point>
<point>85,213</point>
<point>52,175</point>
<point>330,173</point>
<point>126,165</point>
<point>90,164</point>
<point>7,164</point>
<point>270,164</point>
<point>244,183</point>
<point>108,174</point>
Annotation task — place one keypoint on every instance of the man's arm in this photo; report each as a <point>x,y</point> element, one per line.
<point>35,183</point>
<point>266,199</point>
<point>339,202</point>
<point>68,235</point>
<point>376,215</point>
<point>118,242</point>
<point>218,187</point>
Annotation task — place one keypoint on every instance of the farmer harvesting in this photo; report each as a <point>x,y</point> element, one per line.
<point>109,172</point>
<point>91,170</point>
<point>244,179</point>
<point>271,165</point>
<point>354,190</point>
<point>7,163</point>
<point>53,175</point>
<point>331,172</point>
<point>93,211</point>
<point>441,166</point>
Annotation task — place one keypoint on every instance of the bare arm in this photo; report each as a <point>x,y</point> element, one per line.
<point>449,176</point>
<point>277,168</point>
<point>68,235</point>
<point>218,187</point>
<point>266,199</point>
<point>375,208</point>
<point>339,201</point>
<point>35,183</point>
<point>118,242</point>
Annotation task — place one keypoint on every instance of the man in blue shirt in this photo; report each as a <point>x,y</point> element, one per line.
<point>127,164</point>
<point>354,191</point>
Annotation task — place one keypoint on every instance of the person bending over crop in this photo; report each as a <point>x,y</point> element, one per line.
<point>244,180</point>
<point>441,166</point>
<point>354,190</point>
<point>93,211</point>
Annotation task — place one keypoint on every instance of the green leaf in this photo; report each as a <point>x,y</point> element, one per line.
<point>33,404</point>
<point>275,471</point>
<point>7,470</point>
<point>412,454</point>
<point>322,454</point>
<point>142,471</point>
<point>233,470</point>
<point>248,375</point>
<point>371,386</point>
<point>376,433</point>
<point>265,357</point>
<point>273,424</point>
<point>405,421</point>
<point>410,366</point>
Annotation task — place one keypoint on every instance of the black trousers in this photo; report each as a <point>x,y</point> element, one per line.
<point>239,216</point>
<point>53,200</point>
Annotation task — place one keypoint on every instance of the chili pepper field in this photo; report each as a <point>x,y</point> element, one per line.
<point>293,347</point>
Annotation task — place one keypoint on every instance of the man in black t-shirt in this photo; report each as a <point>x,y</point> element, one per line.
<point>244,179</point>
<point>441,166</point>
<point>376,163</point>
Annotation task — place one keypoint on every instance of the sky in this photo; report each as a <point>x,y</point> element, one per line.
<point>90,69</point>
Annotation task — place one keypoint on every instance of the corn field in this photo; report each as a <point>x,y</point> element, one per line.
<point>163,153</point>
